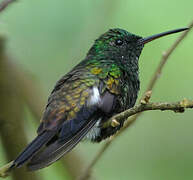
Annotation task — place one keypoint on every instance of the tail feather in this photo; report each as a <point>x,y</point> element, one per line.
<point>33,148</point>
<point>56,150</point>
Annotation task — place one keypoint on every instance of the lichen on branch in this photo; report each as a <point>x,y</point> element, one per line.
<point>179,106</point>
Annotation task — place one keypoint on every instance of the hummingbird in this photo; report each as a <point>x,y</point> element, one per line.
<point>105,83</point>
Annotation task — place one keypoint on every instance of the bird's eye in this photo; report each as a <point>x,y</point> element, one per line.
<point>119,42</point>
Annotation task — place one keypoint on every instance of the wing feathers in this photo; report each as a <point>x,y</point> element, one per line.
<point>33,147</point>
<point>59,148</point>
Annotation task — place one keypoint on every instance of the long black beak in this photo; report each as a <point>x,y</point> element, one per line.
<point>156,36</point>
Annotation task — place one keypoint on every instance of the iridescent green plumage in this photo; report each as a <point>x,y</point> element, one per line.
<point>105,83</point>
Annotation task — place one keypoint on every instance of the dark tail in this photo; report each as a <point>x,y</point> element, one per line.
<point>55,151</point>
<point>71,134</point>
<point>33,148</point>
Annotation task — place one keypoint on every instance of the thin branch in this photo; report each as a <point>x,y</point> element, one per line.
<point>131,120</point>
<point>165,57</point>
<point>174,106</point>
<point>179,106</point>
<point>87,174</point>
<point>4,4</point>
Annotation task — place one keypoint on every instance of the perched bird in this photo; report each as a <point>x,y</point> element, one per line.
<point>105,83</point>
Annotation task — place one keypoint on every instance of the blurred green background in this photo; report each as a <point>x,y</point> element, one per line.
<point>49,37</point>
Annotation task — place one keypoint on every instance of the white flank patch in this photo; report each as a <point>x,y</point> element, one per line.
<point>95,97</point>
<point>94,132</point>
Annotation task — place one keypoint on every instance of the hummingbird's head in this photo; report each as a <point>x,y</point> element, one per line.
<point>122,46</point>
<point>117,44</point>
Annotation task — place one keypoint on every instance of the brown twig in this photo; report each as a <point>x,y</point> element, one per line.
<point>175,106</point>
<point>165,57</point>
<point>87,174</point>
<point>131,120</point>
<point>179,106</point>
<point>4,4</point>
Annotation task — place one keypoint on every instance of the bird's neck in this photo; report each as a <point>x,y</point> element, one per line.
<point>128,66</point>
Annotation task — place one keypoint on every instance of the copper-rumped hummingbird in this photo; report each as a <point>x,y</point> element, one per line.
<point>103,84</point>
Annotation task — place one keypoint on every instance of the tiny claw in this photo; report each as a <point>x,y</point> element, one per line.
<point>143,102</point>
<point>115,123</point>
<point>146,98</point>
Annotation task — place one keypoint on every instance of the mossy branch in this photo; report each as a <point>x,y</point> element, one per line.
<point>87,174</point>
<point>179,106</point>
